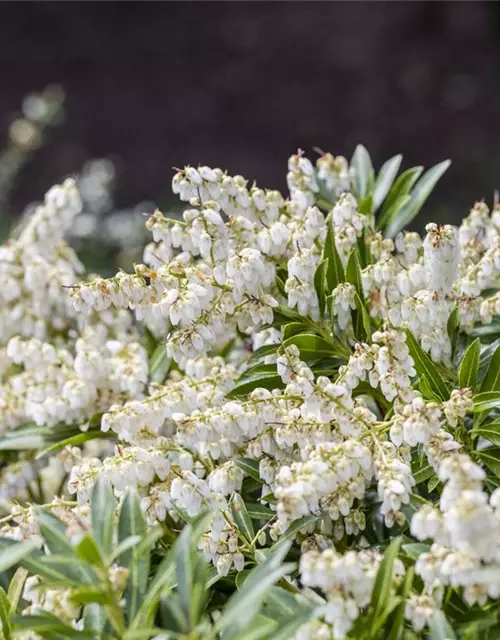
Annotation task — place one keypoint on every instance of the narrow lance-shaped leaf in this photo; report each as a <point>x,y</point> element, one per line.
<point>362,166</point>
<point>398,196</point>
<point>383,581</point>
<point>131,523</point>
<point>243,605</point>
<point>102,510</point>
<point>320,284</point>
<point>242,517</point>
<point>425,366</point>
<point>491,381</point>
<point>334,270</point>
<point>419,195</point>
<point>384,180</point>
<point>469,366</point>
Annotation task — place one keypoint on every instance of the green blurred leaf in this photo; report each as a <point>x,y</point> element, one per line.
<point>244,605</point>
<point>159,365</point>
<point>294,528</point>
<point>440,627</point>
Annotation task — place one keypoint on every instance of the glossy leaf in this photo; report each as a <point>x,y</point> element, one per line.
<point>469,366</point>
<point>131,523</point>
<point>425,366</point>
<point>362,166</point>
<point>491,381</point>
<point>486,401</point>
<point>242,517</point>
<point>102,511</point>
<point>419,195</point>
<point>385,180</point>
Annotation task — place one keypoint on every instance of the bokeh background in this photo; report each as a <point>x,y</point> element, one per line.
<point>243,85</point>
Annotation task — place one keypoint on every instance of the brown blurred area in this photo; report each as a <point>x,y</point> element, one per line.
<point>241,85</point>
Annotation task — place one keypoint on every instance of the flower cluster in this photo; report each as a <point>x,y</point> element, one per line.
<point>298,365</point>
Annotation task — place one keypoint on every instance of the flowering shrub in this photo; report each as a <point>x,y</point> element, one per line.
<point>283,424</point>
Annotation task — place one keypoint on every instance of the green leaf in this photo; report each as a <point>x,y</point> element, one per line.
<point>159,365</point>
<point>453,322</point>
<point>36,563</point>
<point>311,346</point>
<point>335,270</point>
<point>48,626</point>
<point>245,604</point>
<point>260,381</point>
<point>491,458</point>
<point>384,180</point>
<point>259,628</point>
<point>88,550</point>
<point>382,588</point>
<point>425,366</point>
<point>102,511</point>
<point>293,328</point>
<point>294,528</point>
<point>490,432</point>
<point>184,571</point>
<point>398,196</point>
<point>486,401</point>
<point>242,517</point>
<point>419,195</point>
<point>258,369</point>
<point>74,441</point>
<point>491,381</point>
<point>16,587</point>
<point>421,469</point>
<point>89,595</point>
<point>259,511</point>
<point>426,390</point>
<point>5,614</point>
<point>440,627</point>
<point>13,555</point>
<point>131,523</point>
<point>353,273</point>
<point>393,211</point>
<point>415,549</point>
<point>363,172</point>
<point>54,535</point>
<point>262,352</point>
<point>250,467</point>
<point>469,366</point>
<point>321,285</point>
<point>362,321</point>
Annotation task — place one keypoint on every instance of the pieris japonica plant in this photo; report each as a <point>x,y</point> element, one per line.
<point>283,424</point>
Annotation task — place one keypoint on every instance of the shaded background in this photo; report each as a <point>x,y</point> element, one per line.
<point>242,85</point>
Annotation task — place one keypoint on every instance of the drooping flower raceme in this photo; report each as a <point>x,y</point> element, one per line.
<point>298,364</point>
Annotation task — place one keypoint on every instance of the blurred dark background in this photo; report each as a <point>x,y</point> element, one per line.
<point>242,85</point>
